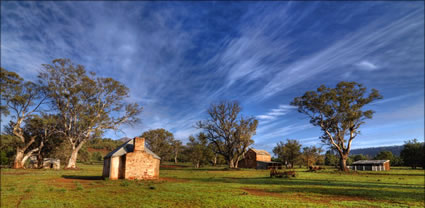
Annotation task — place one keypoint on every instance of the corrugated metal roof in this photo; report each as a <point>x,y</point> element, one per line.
<point>370,162</point>
<point>260,152</point>
<point>126,148</point>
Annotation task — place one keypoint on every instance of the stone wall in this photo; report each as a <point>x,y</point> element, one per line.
<point>51,163</point>
<point>141,165</point>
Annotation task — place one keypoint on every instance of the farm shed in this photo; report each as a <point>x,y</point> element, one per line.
<point>373,165</point>
<point>259,159</point>
<point>132,160</point>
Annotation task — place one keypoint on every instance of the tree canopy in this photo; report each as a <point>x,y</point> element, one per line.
<point>198,151</point>
<point>160,141</point>
<point>22,99</point>
<point>288,152</point>
<point>413,153</point>
<point>230,132</point>
<point>87,105</point>
<point>338,112</point>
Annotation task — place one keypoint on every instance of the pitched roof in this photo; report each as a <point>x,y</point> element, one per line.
<point>260,152</point>
<point>126,148</point>
<point>370,162</point>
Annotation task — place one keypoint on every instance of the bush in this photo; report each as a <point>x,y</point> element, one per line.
<point>4,160</point>
<point>96,156</point>
<point>413,154</point>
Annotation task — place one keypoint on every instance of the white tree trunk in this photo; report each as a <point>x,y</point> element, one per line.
<point>28,155</point>
<point>231,164</point>
<point>21,157</point>
<point>72,162</point>
<point>18,158</point>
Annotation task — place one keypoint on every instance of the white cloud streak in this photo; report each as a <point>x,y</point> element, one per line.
<point>276,112</point>
<point>270,51</point>
<point>367,65</point>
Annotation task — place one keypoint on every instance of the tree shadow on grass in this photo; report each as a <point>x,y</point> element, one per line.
<point>367,194</point>
<point>367,190</point>
<point>79,177</point>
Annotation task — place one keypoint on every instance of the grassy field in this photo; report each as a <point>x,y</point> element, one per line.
<point>182,186</point>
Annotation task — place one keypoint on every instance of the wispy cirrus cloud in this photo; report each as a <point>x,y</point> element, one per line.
<point>179,57</point>
<point>276,112</point>
<point>279,131</point>
<point>348,50</point>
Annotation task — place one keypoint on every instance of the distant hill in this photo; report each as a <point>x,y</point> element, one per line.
<point>373,151</point>
<point>124,139</point>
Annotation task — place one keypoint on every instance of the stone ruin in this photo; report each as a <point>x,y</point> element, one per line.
<point>51,163</point>
<point>48,163</point>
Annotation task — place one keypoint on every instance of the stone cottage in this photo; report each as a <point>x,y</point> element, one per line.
<point>132,160</point>
<point>258,159</point>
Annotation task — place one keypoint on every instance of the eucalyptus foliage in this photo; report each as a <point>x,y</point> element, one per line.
<point>87,105</point>
<point>338,112</point>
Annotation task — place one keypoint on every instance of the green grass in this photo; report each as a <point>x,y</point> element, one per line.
<point>212,187</point>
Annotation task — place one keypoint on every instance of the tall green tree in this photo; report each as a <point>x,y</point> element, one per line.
<point>288,152</point>
<point>160,142</point>
<point>230,132</point>
<point>87,105</point>
<point>198,151</point>
<point>331,158</point>
<point>339,113</point>
<point>413,154</point>
<point>7,149</point>
<point>22,99</point>
<point>311,155</point>
<point>358,157</point>
<point>384,155</point>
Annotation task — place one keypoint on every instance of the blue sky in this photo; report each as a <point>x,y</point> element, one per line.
<point>179,57</point>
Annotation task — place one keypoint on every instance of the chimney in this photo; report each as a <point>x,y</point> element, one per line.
<point>139,144</point>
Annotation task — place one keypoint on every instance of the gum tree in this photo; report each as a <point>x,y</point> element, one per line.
<point>160,141</point>
<point>176,148</point>
<point>229,132</point>
<point>87,105</point>
<point>22,99</point>
<point>339,113</point>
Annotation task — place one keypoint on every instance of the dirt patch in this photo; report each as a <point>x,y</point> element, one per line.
<point>261,192</point>
<point>172,166</point>
<point>173,179</point>
<point>70,183</point>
